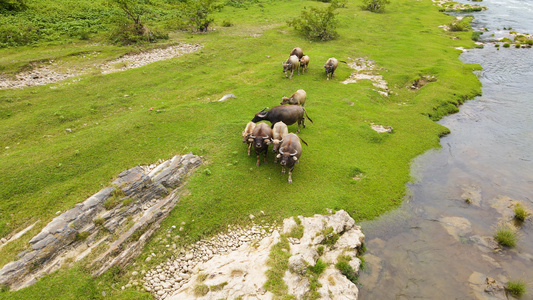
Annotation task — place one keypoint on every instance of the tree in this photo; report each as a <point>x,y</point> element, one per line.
<point>198,14</point>
<point>317,24</point>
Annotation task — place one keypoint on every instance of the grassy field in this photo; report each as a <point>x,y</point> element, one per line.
<point>46,169</point>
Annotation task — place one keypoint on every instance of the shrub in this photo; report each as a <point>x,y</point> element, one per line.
<point>506,45</point>
<point>347,270</point>
<point>476,35</point>
<point>82,236</point>
<point>317,24</point>
<point>520,213</point>
<point>110,203</point>
<point>374,5</point>
<point>516,288</point>
<point>201,290</point>
<point>198,14</point>
<point>506,236</point>
<point>12,5</point>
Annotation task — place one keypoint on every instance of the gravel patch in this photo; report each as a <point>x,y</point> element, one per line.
<point>42,74</point>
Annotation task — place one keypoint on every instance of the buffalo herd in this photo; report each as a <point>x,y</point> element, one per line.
<point>286,146</point>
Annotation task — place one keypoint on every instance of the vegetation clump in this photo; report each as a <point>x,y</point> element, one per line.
<point>506,236</point>
<point>520,213</point>
<point>376,6</point>
<point>344,267</point>
<point>317,24</point>
<point>517,288</point>
<point>278,261</point>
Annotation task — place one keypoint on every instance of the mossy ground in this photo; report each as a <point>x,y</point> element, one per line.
<point>46,169</point>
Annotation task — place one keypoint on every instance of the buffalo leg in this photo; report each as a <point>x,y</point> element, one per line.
<point>258,161</point>
<point>249,148</point>
<point>282,169</point>
<point>290,174</point>
<point>266,152</point>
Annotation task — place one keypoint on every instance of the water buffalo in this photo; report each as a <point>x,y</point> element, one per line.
<point>298,98</point>
<point>262,136</point>
<point>289,153</point>
<point>304,63</point>
<point>292,63</point>
<point>247,133</point>
<point>298,52</point>
<point>288,114</point>
<point>331,66</point>
<point>278,132</point>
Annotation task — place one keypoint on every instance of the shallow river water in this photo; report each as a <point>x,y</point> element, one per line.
<point>439,244</point>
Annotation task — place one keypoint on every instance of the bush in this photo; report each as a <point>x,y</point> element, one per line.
<point>520,213</point>
<point>12,5</point>
<point>516,288</point>
<point>317,24</point>
<point>374,5</point>
<point>506,236</point>
<point>198,14</point>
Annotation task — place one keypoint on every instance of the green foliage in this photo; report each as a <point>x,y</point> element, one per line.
<point>376,6</point>
<point>317,24</point>
<point>506,45</point>
<point>298,230</point>
<point>201,290</point>
<point>217,287</point>
<point>520,213</point>
<point>82,236</point>
<point>347,270</point>
<point>99,221</point>
<point>199,14</point>
<point>111,202</point>
<point>506,236</point>
<point>476,35</point>
<point>278,263</point>
<point>12,5</point>
<point>330,237</point>
<point>517,288</point>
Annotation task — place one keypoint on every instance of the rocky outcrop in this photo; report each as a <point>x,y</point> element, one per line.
<point>241,273</point>
<point>135,203</point>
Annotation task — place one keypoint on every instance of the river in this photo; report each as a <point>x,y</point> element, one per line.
<point>439,244</point>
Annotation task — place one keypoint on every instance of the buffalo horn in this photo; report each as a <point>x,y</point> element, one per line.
<point>295,152</point>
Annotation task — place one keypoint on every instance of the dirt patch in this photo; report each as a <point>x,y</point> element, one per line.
<point>422,81</point>
<point>51,72</point>
<point>366,70</point>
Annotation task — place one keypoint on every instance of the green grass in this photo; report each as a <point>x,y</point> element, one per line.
<point>506,236</point>
<point>520,213</point>
<point>45,169</point>
<point>278,263</point>
<point>517,288</point>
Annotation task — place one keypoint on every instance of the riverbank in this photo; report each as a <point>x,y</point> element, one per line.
<point>136,117</point>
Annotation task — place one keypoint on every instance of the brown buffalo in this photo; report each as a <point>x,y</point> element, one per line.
<point>304,63</point>
<point>262,136</point>
<point>298,98</point>
<point>247,133</point>
<point>289,153</point>
<point>298,52</point>
<point>288,114</point>
<point>292,63</point>
<point>279,131</point>
<point>331,66</point>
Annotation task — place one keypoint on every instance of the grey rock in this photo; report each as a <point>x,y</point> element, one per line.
<point>39,237</point>
<point>44,242</point>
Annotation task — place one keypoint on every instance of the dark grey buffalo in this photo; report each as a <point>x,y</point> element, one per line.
<point>262,137</point>
<point>290,151</point>
<point>288,114</point>
<point>331,66</point>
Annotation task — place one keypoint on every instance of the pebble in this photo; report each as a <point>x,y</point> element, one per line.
<point>170,276</point>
